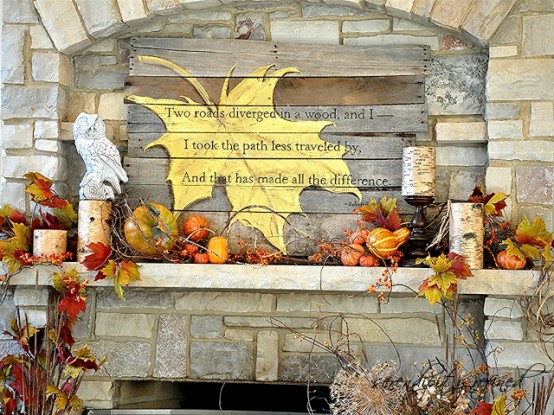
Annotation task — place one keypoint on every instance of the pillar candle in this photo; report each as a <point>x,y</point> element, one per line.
<point>49,242</point>
<point>93,225</point>
<point>418,171</point>
<point>466,232</point>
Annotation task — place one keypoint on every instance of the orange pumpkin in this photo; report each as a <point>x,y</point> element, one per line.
<point>383,243</point>
<point>218,250</point>
<point>196,227</point>
<point>506,261</point>
<point>368,261</point>
<point>201,258</point>
<point>151,228</point>
<point>191,249</point>
<point>359,236</point>
<point>350,255</point>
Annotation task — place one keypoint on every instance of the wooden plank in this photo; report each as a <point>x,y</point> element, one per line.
<point>313,201</point>
<point>347,119</point>
<point>312,60</point>
<point>334,91</point>
<point>362,147</point>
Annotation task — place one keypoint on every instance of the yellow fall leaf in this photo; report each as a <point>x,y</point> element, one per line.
<point>499,405</point>
<point>261,150</point>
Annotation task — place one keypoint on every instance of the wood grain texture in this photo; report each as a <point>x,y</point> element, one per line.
<point>313,61</point>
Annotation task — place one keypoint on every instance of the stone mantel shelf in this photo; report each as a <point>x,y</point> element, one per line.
<point>292,278</point>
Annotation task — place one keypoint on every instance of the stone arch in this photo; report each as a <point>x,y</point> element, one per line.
<point>73,26</point>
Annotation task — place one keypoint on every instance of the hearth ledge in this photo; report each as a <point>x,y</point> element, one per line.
<point>291,278</point>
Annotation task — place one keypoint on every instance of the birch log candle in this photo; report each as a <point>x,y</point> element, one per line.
<point>467,232</point>
<point>93,226</point>
<point>49,242</point>
<point>418,171</point>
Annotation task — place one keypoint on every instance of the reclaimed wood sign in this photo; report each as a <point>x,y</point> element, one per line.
<point>259,132</point>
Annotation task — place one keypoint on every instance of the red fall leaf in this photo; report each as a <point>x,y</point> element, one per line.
<point>99,257</point>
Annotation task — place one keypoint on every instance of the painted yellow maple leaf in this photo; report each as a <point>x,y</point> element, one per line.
<point>264,160</point>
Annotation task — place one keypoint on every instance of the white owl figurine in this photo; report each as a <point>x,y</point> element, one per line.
<point>102,160</point>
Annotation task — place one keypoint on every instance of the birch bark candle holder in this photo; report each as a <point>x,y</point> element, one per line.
<point>418,189</point>
<point>49,242</point>
<point>466,232</point>
<point>93,226</point>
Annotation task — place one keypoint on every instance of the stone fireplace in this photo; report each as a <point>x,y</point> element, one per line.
<point>490,99</point>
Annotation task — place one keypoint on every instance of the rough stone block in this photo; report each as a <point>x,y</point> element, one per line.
<point>364,26</point>
<point>160,6</point>
<point>508,129</point>
<point>30,296</point>
<point>314,32</point>
<point>307,342</point>
<point>449,13</point>
<point>124,325</point>
<point>96,390</point>
<point>421,10</point>
<point>7,313</point>
<point>496,329</point>
<point>349,3</point>
<point>101,79</point>
<point>321,10</point>
<point>504,51</point>
<point>398,330</point>
<point>502,308</point>
<point>378,5</point>
<point>81,102</point>
<point>40,38</point>
<point>9,348</point>
<point>224,301</point>
<point>17,136</point>
<point>461,132</point>
<point>522,150</point>
<point>13,194</point>
<point>111,106</point>
<point>199,4</point>
<point>13,68</point>
<point>134,299</point>
<point>409,305</point>
<point>399,8</point>
<point>34,316</point>
<point>39,101</point>
<point>211,15</point>
<point>100,17</point>
<point>313,368</point>
<point>462,184</point>
<point>267,356</point>
<point>171,347</point>
<point>502,110</point>
<point>54,168</point>
<point>94,61</point>
<point>456,84</point>
<point>499,179</point>
<point>518,354</point>
<point>326,303</point>
<point>535,184</point>
<point>103,46</point>
<point>240,335</point>
<point>18,11</point>
<point>132,11</point>
<point>542,119</point>
<point>211,31</point>
<point>394,39</point>
<point>46,129</point>
<point>485,17</point>
<point>210,360</point>
<point>404,25</point>
<point>250,26</point>
<point>127,359</point>
<point>46,66</point>
<point>538,32</point>
<point>290,322</point>
<point>520,79</point>
<point>62,21</point>
<point>461,156</point>
<point>206,327</point>
<point>49,146</point>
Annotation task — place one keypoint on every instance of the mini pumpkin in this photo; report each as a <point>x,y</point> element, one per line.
<point>506,261</point>
<point>383,243</point>
<point>196,227</point>
<point>151,228</point>
<point>201,258</point>
<point>359,236</point>
<point>368,261</point>
<point>350,255</point>
<point>218,250</point>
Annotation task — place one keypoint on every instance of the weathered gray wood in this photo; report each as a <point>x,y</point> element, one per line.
<point>367,147</point>
<point>312,200</point>
<point>334,91</point>
<point>312,60</point>
<point>362,119</point>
